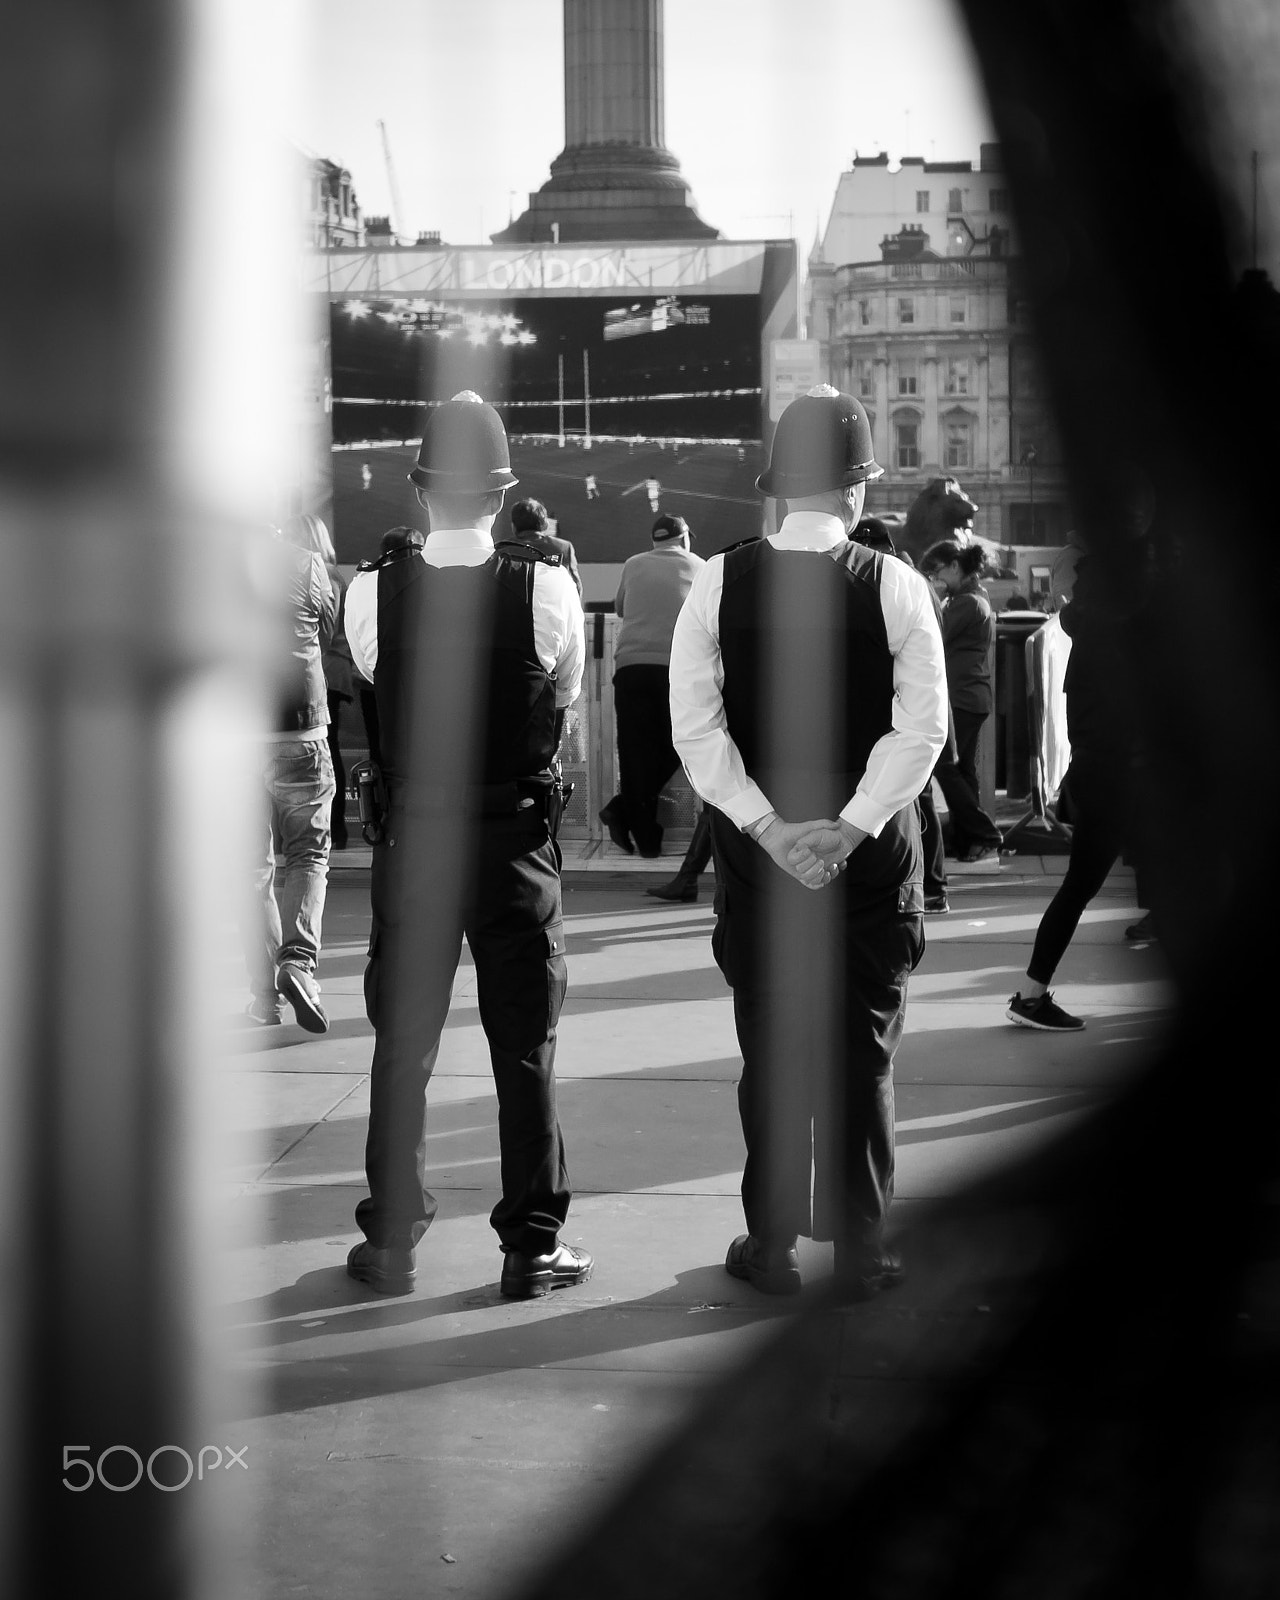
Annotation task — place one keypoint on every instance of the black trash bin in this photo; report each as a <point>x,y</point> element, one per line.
<point>1013,721</point>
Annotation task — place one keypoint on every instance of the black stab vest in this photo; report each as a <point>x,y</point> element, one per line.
<point>808,675</point>
<point>462,696</point>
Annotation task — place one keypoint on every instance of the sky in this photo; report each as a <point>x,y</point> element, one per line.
<point>766,103</point>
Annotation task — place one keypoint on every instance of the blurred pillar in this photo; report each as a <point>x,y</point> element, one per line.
<point>136,368</point>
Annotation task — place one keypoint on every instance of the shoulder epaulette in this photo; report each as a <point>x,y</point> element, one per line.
<point>741,544</point>
<point>520,551</point>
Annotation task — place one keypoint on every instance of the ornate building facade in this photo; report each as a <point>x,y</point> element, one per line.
<point>932,335</point>
<point>331,208</point>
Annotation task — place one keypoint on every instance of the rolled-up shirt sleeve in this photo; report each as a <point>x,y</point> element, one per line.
<point>558,630</point>
<point>362,622</point>
<point>699,730</point>
<point>902,760</point>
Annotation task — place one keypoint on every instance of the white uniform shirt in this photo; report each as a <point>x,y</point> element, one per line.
<point>557,611</point>
<point>900,762</point>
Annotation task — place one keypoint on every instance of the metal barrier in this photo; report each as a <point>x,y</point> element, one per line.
<point>589,750</point>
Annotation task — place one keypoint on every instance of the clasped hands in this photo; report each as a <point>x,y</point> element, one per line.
<point>813,853</point>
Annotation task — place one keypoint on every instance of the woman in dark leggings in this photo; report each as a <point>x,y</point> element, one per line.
<point>1100,785</point>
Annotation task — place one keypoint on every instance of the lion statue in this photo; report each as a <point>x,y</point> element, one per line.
<point>942,510</point>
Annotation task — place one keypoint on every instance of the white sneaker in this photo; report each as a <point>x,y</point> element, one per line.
<point>302,992</point>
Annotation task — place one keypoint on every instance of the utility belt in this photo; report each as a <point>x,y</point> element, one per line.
<point>543,796</point>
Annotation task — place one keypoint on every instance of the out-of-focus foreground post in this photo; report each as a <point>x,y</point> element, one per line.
<point>144,325</point>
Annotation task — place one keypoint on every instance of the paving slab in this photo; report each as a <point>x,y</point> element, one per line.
<point>390,1434</point>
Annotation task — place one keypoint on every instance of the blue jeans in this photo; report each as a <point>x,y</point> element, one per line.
<point>299,789</point>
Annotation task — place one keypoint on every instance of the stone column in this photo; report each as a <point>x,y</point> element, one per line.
<point>615,178</point>
<point>931,432</point>
<point>613,82</point>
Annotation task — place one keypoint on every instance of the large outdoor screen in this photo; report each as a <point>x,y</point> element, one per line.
<point>616,407</point>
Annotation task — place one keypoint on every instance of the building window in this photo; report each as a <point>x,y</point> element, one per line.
<point>922,199</point>
<point>906,434</point>
<point>906,312</point>
<point>1026,374</point>
<point>958,375</point>
<point>955,201</point>
<point>864,313</point>
<point>957,450</point>
<point>959,309</point>
<point>866,379</point>
<point>999,200</point>
<point>908,377</point>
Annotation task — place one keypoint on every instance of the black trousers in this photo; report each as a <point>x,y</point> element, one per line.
<point>958,780</point>
<point>499,885</point>
<point>819,999</point>
<point>698,853</point>
<point>935,855</point>
<point>1101,794</point>
<point>646,756</point>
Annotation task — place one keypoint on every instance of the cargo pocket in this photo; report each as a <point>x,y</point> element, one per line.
<point>911,899</point>
<point>557,972</point>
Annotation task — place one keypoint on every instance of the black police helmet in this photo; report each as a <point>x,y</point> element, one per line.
<point>464,449</point>
<point>822,442</point>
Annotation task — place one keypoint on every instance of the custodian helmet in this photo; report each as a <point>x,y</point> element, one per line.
<point>822,441</point>
<point>464,449</point>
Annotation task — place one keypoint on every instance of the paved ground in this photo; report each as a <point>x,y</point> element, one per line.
<point>413,1447</point>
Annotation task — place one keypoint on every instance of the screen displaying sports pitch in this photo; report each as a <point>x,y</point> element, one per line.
<point>617,408</point>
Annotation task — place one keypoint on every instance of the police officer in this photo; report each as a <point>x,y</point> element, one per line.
<point>808,704</point>
<point>474,654</point>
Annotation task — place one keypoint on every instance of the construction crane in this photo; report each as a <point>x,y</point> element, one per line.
<point>397,206</point>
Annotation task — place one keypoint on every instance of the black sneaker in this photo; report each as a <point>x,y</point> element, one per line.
<point>936,905</point>
<point>1042,1013</point>
<point>1143,931</point>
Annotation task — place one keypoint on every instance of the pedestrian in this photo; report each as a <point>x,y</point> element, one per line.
<point>311,533</point>
<point>282,927</point>
<point>684,886</point>
<point>530,525</point>
<point>593,492</point>
<point>968,632</point>
<point>808,697</point>
<point>654,490</point>
<point>651,590</point>
<point>1101,784</point>
<point>366,475</point>
<point>398,542</point>
<point>475,653</point>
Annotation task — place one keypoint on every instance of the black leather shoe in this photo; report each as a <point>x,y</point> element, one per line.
<point>773,1269</point>
<point>385,1271</point>
<point>685,889</point>
<point>618,830</point>
<point>526,1277</point>
<point>861,1275</point>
